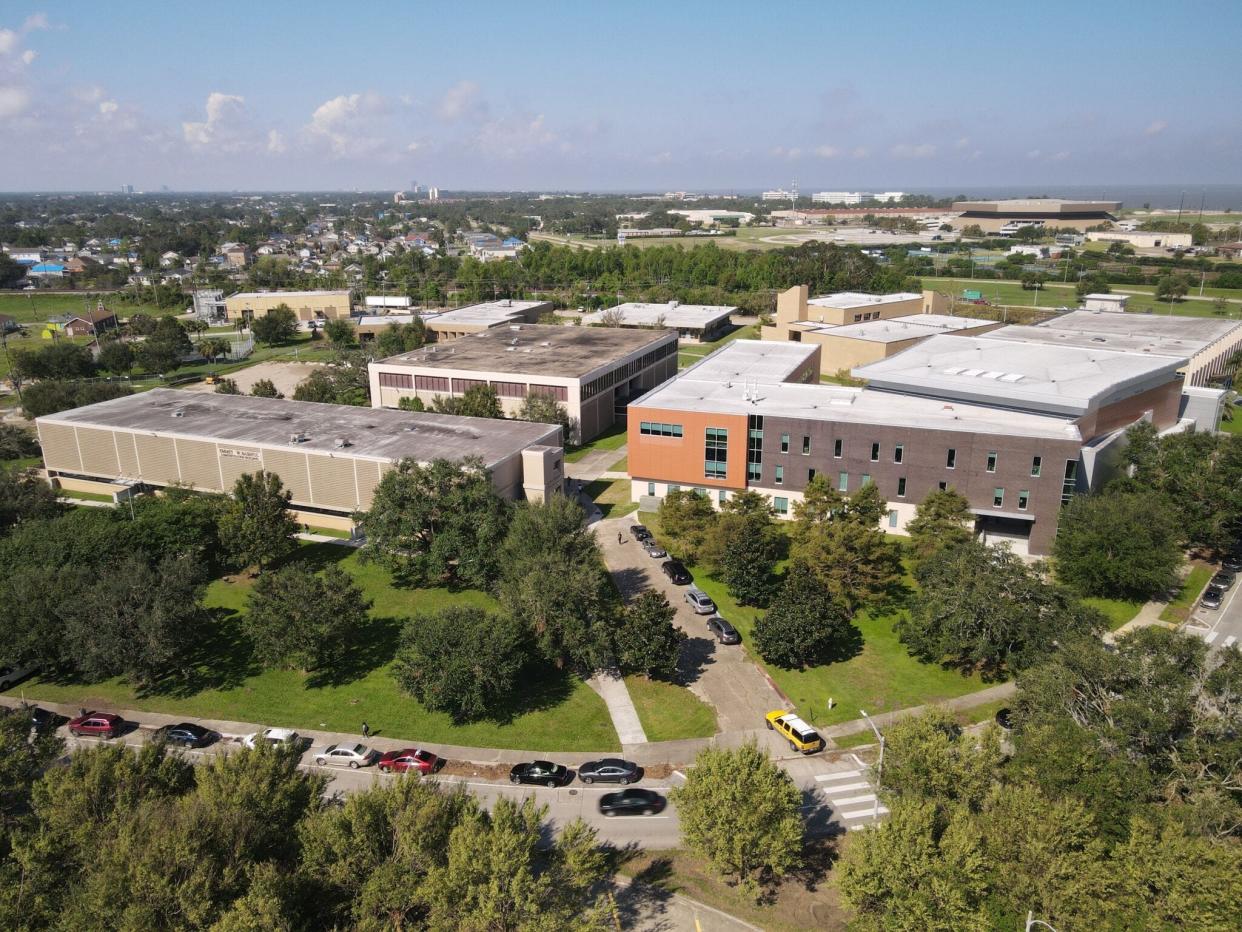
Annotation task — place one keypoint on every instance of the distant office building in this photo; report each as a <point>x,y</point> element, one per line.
<point>779,195</point>
<point>1142,239</point>
<point>1008,216</point>
<point>476,318</point>
<point>306,305</point>
<point>433,194</point>
<point>795,311</point>
<point>127,189</point>
<point>709,215</point>
<point>694,323</point>
<point>850,198</point>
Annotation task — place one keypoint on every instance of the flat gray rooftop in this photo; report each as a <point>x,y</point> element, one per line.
<point>690,316</point>
<point>489,313</point>
<point>909,327</point>
<point>1198,331</point>
<point>765,361</point>
<point>853,299</point>
<point>536,349</point>
<point>1065,380</point>
<point>372,433</point>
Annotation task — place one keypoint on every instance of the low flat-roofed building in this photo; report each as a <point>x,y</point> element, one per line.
<point>1105,302</point>
<point>306,305</point>
<point>1142,239</point>
<point>474,318</point>
<point>846,307</point>
<point>329,457</point>
<point>394,301</point>
<point>993,216</point>
<point>592,371</point>
<point>843,348</point>
<point>1206,343</point>
<point>695,323</point>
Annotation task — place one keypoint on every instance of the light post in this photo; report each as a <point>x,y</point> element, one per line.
<point>1032,922</point>
<point>879,767</point>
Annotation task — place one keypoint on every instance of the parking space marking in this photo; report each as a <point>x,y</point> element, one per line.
<point>1210,636</point>
<point>1230,641</point>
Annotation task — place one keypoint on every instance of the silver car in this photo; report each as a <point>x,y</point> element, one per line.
<point>352,756</point>
<point>700,601</point>
<point>654,550</point>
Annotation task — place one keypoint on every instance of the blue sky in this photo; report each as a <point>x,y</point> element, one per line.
<point>634,95</point>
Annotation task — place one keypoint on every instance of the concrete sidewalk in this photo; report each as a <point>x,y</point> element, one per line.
<point>616,696</point>
<point>969,701</point>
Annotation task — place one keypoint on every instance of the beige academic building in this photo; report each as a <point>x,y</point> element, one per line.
<point>307,305</point>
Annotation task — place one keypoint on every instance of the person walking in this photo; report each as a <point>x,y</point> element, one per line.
<point>366,730</point>
<point>619,540</point>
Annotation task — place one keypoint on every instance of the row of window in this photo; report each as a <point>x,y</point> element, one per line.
<point>899,454</point>
<point>623,372</point>
<point>656,429</point>
<point>780,503</point>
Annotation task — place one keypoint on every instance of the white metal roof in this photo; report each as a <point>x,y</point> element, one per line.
<point>852,299</point>
<point>672,314</point>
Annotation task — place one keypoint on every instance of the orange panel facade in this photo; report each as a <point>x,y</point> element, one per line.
<point>680,460</point>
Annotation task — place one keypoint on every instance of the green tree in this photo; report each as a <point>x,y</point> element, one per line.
<point>342,383</point>
<point>340,332</point>
<point>982,608</point>
<point>401,338</point>
<point>929,758</point>
<point>279,325</point>
<point>213,348</point>
<point>461,660</point>
<point>300,619</point>
<point>439,522</point>
<point>856,562</point>
<point>544,409</point>
<point>820,502</point>
<point>258,528</point>
<point>805,626</point>
<point>647,640</point>
<point>17,442</point>
<point>411,403</point>
<point>25,497</point>
<point>1171,288</point>
<point>23,760</point>
<point>686,519</point>
<point>156,357</point>
<point>743,544</point>
<point>265,388</point>
<point>11,271</point>
<point>478,401</point>
<point>942,520</point>
<point>1118,545</point>
<point>227,386</point>
<point>116,357</point>
<point>60,359</point>
<point>754,839</point>
<point>51,396</point>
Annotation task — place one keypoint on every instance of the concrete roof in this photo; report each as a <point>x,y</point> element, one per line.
<point>690,316</point>
<point>535,349</point>
<point>722,381</point>
<point>373,433</point>
<point>1064,380</point>
<point>1195,330</point>
<point>489,313</point>
<point>852,299</point>
<point>909,327</point>
<point>248,295</point>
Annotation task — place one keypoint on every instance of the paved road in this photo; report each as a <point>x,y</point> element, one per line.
<point>1220,628</point>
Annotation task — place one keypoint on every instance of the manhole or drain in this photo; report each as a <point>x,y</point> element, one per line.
<point>573,792</point>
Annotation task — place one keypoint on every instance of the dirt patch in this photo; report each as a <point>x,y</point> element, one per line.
<point>463,768</point>
<point>284,375</point>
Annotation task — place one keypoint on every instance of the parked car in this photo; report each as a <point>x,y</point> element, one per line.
<point>1222,580</point>
<point>42,719</point>
<point>725,633</point>
<point>96,724</point>
<point>186,734</point>
<point>408,759</point>
<point>1212,598</point>
<point>276,737</point>
<point>640,533</point>
<point>1232,562</point>
<point>610,770</point>
<point>1004,718</point>
<point>631,802</point>
<point>540,771</point>
<point>675,571</point>
<point>654,550</point>
<point>352,756</point>
<point>13,673</point>
<point>700,601</point>
<point>801,736</point>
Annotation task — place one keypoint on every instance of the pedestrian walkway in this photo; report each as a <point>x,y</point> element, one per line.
<point>969,701</point>
<point>852,797</point>
<point>616,696</point>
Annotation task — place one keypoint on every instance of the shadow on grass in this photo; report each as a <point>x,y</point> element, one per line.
<point>540,687</point>
<point>314,557</point>
<point>372,646</point>
<point>221,658</point>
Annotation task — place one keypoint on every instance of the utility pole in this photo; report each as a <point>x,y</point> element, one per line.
<point>879,767</point>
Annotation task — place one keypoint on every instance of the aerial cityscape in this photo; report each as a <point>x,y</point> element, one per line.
<point>669,467</point>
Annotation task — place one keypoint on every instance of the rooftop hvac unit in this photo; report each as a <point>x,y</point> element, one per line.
<point>515,326</point>
<point>506,303</point>
<point>178,413</point>
<point>297,438</point>
<point>341,443</point>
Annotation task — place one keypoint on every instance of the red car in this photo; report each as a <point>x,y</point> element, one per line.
<point>97,724</point>
<point>408,759</point>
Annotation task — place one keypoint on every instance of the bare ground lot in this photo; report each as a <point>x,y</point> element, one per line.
<point>284,375</point>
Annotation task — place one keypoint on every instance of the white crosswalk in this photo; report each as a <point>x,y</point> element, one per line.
<point>853,809</point>
<point>1210,636</point>
<point>1229,641</point>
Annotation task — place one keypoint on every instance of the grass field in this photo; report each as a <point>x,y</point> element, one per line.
<point>555,711</point>
<point>1179,609</point>
<point>620,465</point>
<point>613,439</point>
<point>1117,611</point>
<point>31,307</point>
<point>670,712</point>
<point>1057,294</point>
<point>611,496</point>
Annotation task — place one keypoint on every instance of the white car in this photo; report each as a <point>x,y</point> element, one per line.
<point>276,737</point>
<point>12,674</point>
<point>342,755</point>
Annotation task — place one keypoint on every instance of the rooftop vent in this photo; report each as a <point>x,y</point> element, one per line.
<point>298,438</point>
<point>515,326</point>
<point>178,412</point>
<point>506,303</point>
<point>341,443</point>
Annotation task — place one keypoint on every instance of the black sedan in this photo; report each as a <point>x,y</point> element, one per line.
<point>186,734</point>
<point>609,770</point>
<point>725,632</point>
<point>1232,562</point>
<point>675,571</point>
<point>42,719</point>
<point>631,802</point>
<point>541,772</point>
<point>1223,579</point>
<point>640,533</point>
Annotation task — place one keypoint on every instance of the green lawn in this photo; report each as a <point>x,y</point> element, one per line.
<point>84,496</point>
<point>1178,610</point>
<point>670,712</point>
<point>613,439</point>
<point>1232,425</point>
<point>1117,611</point>
<point>32,307</point>
<point>1056,294</point>
<point>621,465</point>
<point>611,496</point>
<point>556,711</point>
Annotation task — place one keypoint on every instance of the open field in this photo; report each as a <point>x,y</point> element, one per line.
<point>30,307</point>
<point>556,711</point>
<point>1056,294</point>
<point>670,712</point>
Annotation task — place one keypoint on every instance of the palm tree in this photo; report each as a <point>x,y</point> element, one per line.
<point>214,347</point>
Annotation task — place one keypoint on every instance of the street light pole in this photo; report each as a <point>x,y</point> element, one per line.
<point>879,767</point>
<point>1032,922</point>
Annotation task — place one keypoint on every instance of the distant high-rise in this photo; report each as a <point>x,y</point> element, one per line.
<point>414,188</point>
<point>433,194</point>
<point>127,189</point>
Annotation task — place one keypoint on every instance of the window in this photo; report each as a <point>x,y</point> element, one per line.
<point>655,429</point>
<point>943,485</point>
<point>1037,464</point>
<point>673,487</point>
<point>716,453</point>
<point>780,505</point>
<point>843,482</point>
<point>395,380</point>
<point>431,383</point>
<point>875,452</point>
<point>461,386</point>
<point>950,460</point>
<point>837,447</point>
<point>651,488</point>
<point>754,447</point>
<point>1069,482</point>
<point>779,478</point>
<point>806,446</point>
<point>866,477</point>
<point>998,498</point>
<point>901,486</point>
<point>899,453</point>
<point>810,474</point>
<point>558,392</point>
<point>784,443</point>
<point>722,496</point>
<point>991,461</point>
<point>1024,499</point>
<point>892,519</point>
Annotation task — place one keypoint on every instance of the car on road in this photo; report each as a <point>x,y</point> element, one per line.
<point>408,759</point>
<point>610,770</point>
<point>700,601</point>
<point>654,550</point>
<point>675,571</point>
<point>1232,562</point>
<point>1222,580</point>
<point>96,724</point>
<point>186,734</point>
<point>42,719</point>
<point>352,756</point>
<point>801,736</point>
<point>276,737</point>
<point>1212,598</point>
<point>13,673</point>
<point>541,772</point>
<point>640,533</point>
<point>724,632</point>
<point>631,802</point>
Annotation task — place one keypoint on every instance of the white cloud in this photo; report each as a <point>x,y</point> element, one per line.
<point>413,147</point>
<point>108,106</point>
<point>1034,153</point>
<point>13,101</point>
<point>89,93</point>
<point>1155,128</point>
<point>827,152</point>
<point>1059,156</point>
<point>860,152</point>
<point>29,56</point>
<point>962,143</point>
<point>36,21</point>
<point>223,111</point>
<point>514,137</point>
<point>460,101</point>
<point>275,142</point>
<point>346,124</point>
<point>908,151</point>
<point>781,152</point>
<point>9,41</point>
